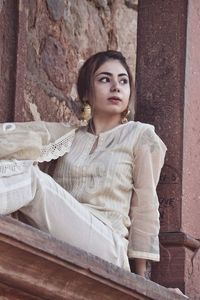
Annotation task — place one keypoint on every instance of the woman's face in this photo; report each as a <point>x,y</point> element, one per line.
<point>111,89</point>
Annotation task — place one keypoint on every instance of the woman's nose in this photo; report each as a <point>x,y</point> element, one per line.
<point>115,87</point>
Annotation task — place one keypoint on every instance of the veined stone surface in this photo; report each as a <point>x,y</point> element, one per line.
<point>60,36</point>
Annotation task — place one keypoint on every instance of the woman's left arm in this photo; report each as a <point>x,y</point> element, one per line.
<point>149,154</point>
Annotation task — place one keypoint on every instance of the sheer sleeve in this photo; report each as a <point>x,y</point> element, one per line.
<point>39,141</point>
<point>149,155</point>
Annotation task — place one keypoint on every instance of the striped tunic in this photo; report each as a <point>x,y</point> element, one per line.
<point>117,181</point>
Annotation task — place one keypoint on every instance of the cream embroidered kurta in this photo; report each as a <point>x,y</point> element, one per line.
<point>116,182</point>
<point>122,172</point>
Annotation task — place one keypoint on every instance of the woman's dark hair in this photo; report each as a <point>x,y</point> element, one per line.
<point>91,65</point>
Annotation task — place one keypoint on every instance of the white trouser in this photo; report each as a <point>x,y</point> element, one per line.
<point>54,210</point>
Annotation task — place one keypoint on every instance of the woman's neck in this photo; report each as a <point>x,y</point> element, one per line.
<point>98,125</point>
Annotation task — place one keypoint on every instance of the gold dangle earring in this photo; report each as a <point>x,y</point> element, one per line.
<point>125,115</point>
<point>86,112</point>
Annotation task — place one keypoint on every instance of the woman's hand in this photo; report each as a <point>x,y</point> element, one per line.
<point>140,266</point>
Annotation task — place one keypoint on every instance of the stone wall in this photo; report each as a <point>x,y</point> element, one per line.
<point>54,38</point>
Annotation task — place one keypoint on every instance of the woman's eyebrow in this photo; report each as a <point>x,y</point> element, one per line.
<point>123,74</point>
<point>110,74</point>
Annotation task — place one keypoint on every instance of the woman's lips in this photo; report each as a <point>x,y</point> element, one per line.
<point>114,100</point>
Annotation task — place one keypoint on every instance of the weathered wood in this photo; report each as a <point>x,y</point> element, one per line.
<point>37,264</point>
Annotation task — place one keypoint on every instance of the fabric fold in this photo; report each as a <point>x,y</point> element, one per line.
<point>37,141</point>
<point>14,167</point>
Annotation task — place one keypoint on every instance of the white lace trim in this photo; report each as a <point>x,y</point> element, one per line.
<point>57,148</point>
<point>14,167</point>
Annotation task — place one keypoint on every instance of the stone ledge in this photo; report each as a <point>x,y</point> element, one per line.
<point>34,265</point>
<point>179,239</point>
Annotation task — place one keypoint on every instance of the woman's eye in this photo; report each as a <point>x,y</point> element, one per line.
<point>104,79</point>
<point>124,81</point>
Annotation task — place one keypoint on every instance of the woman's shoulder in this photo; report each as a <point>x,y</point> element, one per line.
<point>144,134</point>
<point>139,124</point>
<point>132,132</point>
<point>141,133</point>
<point>137,127</point>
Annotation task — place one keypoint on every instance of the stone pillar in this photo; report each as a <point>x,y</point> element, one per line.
<point>8,42</point>
<point>168,67</point>
<point>21,58</point>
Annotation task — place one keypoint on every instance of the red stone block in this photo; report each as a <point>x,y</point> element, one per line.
<point>168,71</point>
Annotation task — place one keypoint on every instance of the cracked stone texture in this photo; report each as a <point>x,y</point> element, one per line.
<point>60,36</point>
<point>56,9</point>
<point>1,4</point>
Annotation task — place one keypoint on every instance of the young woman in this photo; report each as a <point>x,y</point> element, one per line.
<point>102,197</point>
